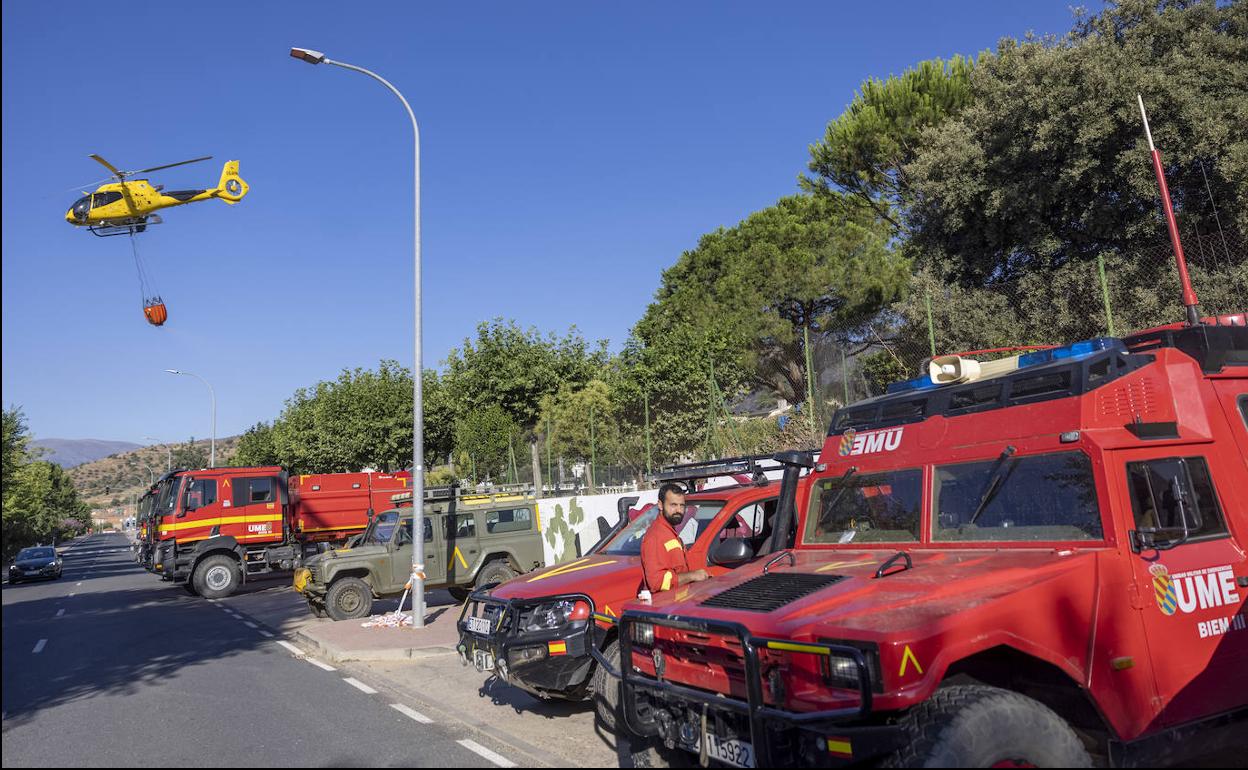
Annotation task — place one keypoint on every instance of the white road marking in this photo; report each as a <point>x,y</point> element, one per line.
<point>291,647</point>
<point>497,759</point>
<point>412,713</point>
<point>39,646</point>
<point>78,584</point>
<point>60,612</point>
<point>320,665</point>
<point>266,634</point>
<point>249,624</point>
<point>357,684</point>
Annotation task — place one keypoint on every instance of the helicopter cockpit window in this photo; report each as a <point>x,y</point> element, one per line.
<point>81,207</point>
<point>105,198</point>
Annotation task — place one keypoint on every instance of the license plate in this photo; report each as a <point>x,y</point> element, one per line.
<point>479,625</point>
<point>735,753</point>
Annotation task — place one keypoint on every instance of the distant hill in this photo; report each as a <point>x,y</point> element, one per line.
<point>123,474</point>
<point>71,452</point>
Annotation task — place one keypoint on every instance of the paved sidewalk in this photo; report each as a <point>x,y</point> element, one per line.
<point>348,640</point>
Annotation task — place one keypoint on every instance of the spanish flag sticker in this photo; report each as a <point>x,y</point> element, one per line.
<point>557,648</point>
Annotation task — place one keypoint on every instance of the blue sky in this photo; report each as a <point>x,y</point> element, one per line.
<point>570,152</point>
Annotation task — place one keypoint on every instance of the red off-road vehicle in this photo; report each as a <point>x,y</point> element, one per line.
<point>537,631</point>
<point>1044,566</point>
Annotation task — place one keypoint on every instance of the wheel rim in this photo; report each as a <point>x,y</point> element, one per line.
<point>350,600</point>
<point>218,578</point>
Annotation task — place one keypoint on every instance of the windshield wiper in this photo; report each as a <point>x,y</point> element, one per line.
<point>831,506</point>
<point>994,483</point>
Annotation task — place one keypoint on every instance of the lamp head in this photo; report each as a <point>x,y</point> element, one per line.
<point>308,55</point>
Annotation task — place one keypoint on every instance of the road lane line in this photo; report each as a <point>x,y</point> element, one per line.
<point>60,612</point>
<point>497,759</point>
<point>249,624</point>
<point>78,583</point>
<point>266,634</point>
<point>320,665</point>
<point>292,648</point>
<point>411,713</point>
<point>357,684</point>
<point>39,646</point>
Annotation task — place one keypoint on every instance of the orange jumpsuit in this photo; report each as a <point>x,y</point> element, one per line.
<point>662,556</point>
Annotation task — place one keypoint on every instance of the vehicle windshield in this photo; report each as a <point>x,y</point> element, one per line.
<point>871,508</point>
<point>381,529</point>
<point>167,496</point>
<point>698,516</point>
<point>1050,497</point>
<point>37,553</point>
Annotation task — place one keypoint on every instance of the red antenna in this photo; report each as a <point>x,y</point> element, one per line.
<point>1189,294</point>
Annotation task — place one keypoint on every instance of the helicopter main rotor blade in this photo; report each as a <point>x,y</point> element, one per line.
<point>170,165</point>
<point>107,165</point>
<point>96,183</point>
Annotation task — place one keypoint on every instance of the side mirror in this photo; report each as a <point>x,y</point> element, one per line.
<point>731,552</point>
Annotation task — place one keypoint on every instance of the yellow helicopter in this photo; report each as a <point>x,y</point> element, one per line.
<point>127,206</point>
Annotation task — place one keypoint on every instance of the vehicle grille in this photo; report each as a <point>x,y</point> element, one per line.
<point>771,591</point>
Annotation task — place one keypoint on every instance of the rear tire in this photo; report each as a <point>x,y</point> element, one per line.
<point>977,726</point>
<point>459,593</point>
<point>217,577</point>
<point>497,571</point>
<point>606,689</point>
<point>349,598</point>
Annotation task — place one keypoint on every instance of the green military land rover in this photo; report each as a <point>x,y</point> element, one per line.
<point>471,540</point>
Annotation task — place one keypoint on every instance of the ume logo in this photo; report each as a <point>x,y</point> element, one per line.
<point>263,529</point>
<point>855,443</point>
<point>1199,588</point>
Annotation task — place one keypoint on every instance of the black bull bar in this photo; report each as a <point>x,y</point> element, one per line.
<point>755,709</point>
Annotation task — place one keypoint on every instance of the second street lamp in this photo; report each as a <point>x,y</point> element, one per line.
<point>212,461</point>
<point>168,451</point>
<point>418,420</point>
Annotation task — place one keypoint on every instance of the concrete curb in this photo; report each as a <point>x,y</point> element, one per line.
<point>340,654</point>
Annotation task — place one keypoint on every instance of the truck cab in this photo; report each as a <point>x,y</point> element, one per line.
<point>977,555</point>
<point>470,540</point>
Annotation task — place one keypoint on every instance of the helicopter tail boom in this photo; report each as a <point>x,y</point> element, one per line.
<point>231,188</point>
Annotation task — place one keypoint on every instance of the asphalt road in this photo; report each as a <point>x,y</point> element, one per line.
<point>109,666</point>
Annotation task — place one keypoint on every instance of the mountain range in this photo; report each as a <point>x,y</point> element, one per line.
<point>70,452</point>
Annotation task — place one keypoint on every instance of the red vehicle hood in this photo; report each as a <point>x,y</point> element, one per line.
<point>606,578</point>
<point>941,584</point>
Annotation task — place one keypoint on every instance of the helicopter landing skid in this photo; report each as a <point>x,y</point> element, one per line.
<point>104,230</point>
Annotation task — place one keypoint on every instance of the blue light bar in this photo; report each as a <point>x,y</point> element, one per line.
<point>1077,350</point>
<point>918,383</point>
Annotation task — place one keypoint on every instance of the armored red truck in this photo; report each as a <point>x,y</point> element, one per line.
<point>217,527</point>
<point>537,631</point>
<point>1037,562</point>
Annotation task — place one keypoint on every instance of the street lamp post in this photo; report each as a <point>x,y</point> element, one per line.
<point>168,450</point>
<point>151,473</point>
<point>212,457</point>
<point>418,419</point>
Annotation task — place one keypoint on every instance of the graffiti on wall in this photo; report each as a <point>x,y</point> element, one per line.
<point>573,525</point>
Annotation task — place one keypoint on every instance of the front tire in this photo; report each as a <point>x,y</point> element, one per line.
<point>606,689</point>
<point>217,577</point>
<point>977,726</point>
<point>349,598</point>
<point>498,571</point>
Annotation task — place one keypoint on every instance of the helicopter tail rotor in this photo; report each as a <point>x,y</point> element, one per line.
<point>231,188</point>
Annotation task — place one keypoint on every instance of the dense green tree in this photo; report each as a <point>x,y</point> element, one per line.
<point>256,447</point>
<point>1048,162</point>
<point>866,149</point>
<point>485,439</point>
<point>515,368</point>
<point>40,502</point>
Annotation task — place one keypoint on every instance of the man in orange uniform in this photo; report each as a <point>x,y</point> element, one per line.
<point>663,561</point>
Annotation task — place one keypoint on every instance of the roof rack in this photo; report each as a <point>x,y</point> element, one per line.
<point>465,496</point>
<point>752,465</point>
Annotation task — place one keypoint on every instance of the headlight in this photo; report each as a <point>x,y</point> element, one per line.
<point>643,633</point>
<point>555,614</point>
<point>841,671</point>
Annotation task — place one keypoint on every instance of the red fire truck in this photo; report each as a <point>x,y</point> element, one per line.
<point>214,528</point>
<point>1039,562</point>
